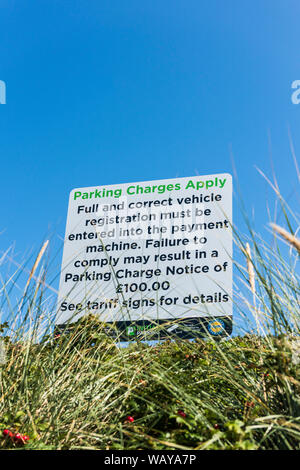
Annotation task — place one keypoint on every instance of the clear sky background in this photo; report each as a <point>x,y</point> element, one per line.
<point>104,92</point>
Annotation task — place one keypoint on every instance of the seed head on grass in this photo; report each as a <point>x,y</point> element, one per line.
<point>2,352</point>
<point>36,263</point>
<point>250,268</point>
<point>291,239</point>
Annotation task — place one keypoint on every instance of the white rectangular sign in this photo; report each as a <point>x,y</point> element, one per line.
<point>142,254</point>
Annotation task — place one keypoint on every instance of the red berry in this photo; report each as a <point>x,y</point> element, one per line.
<point>181,413</point>
<point>130,419</point>
<point>18,438</point>
<point>216,426</point>
<point>7,432</point>
<point>25,438</point>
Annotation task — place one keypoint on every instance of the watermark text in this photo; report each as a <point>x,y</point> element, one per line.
<point>296,94</point>
<point>2,92</point>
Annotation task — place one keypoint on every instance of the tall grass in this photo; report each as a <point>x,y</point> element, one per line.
<point>77,390</point>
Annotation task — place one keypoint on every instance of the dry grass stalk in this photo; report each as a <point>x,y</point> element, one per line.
<point>36,263</point>
<point>34,268</point>
<point>291,239</point>
<point>250,268</point>
<point>251,278</point>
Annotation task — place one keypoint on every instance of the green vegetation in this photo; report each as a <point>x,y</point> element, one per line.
<point>78,390</point>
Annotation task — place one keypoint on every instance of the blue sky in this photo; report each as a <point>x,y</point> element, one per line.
<point>105,92</point>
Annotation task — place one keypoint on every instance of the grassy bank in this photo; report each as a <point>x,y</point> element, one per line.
<point>80,391</point>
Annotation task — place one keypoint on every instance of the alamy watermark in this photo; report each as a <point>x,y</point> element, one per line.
<point>2,92</point>
<point>296,94</point>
